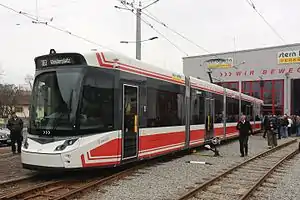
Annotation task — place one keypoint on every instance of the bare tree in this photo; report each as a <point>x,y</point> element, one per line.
<point>9,95</point>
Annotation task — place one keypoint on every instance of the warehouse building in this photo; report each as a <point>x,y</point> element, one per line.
<point>271,74</point>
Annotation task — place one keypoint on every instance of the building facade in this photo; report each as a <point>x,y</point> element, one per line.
<point>271,74</point>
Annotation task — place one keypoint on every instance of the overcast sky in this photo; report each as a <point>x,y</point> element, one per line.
<point>212,24</point>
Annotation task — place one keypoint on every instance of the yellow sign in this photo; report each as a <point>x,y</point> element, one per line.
<point>219,63</point>
<point>288,57</point>
<point>177,77</point>
<point>289,60</point>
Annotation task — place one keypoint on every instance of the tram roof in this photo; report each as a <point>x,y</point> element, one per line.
<point>124,63</point>
<point>111,60</point>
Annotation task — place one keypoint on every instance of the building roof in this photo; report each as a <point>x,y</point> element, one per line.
<point>246,50</point>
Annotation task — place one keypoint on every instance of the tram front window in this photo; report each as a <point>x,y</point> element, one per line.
<point>97,103</point>
<point>55,100</point>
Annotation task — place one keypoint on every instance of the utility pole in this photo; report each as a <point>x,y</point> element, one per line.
<point>139,10</point>
<point>138,31</point>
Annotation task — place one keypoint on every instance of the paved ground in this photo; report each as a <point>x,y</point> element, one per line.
<point>4,150</point>
<point>11,168</point>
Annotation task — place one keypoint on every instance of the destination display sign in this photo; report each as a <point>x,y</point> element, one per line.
<point>56,60</point>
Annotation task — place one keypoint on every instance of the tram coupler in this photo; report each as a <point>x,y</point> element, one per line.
<point>214,141</point>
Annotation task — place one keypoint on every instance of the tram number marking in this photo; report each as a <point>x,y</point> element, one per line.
<point>45,132</point>
<point>102,140</point>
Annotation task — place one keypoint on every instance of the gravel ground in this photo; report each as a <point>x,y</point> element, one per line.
<point>11,168</point>
<point>288,186</point>
<point>172,179</point>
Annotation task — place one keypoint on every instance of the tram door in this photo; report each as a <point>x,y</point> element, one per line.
<point>209,118</point>
<point>130,121</point>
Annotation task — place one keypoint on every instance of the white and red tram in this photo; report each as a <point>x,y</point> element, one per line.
<point>102,110</point>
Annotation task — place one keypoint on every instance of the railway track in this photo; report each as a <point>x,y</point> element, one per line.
<point>62,189</point>
<point>242,181</point>
<point>50,188</point>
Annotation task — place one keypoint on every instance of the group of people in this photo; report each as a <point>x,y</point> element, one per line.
<point>275,127</point>
<point>283,126</point>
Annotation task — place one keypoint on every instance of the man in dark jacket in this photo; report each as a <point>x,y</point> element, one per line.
<point>15,125</point>
<point>271,132</point>
<point>245,130</point>
<point>266,123</point>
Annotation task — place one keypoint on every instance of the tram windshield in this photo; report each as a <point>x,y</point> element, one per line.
<point>55,100</point>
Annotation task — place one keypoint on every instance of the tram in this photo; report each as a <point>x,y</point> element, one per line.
<point>102,109</point>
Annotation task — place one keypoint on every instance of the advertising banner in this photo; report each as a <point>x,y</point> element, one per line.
<point>219,63</point>
<point>288,57</point>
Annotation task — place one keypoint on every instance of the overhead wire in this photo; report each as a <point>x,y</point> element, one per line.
<point>35,21</point>
<point>251,3</point>
<point>154,18</point>
<point>151,16</point>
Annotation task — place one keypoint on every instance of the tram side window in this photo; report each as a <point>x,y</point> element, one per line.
<point>232,110</point>
<point>165,103</point>
<point>247,109</point>
<point>97,108</point>
<point>218,108</point>
<point>197,107</point>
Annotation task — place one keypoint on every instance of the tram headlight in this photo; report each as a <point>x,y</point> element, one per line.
<point>60,147</point>
<point>65,144</point>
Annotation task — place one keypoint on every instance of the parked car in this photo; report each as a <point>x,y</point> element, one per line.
<point>5,136</point>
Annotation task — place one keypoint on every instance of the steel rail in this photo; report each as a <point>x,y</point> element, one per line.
<point>203,186</point>
<point>46,189</point>
<point>267,174</point>
<point>17,180</point>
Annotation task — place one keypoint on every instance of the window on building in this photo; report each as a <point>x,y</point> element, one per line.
<point>18,109</point>
<point>256,89</point>
<point>246,87</point>
<point>278,90</point>
<point>267,85</point>
<point>234,86</point>
<point>268,97</point>
<point>230,85</point>
<point>165,104</point>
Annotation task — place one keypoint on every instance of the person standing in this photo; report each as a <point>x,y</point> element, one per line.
<point>297,126</point>
<point>15,125</point>
<point>271,132</point>
<point>266,123</point>
<point>245,130</point>
<point>290,125</point>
